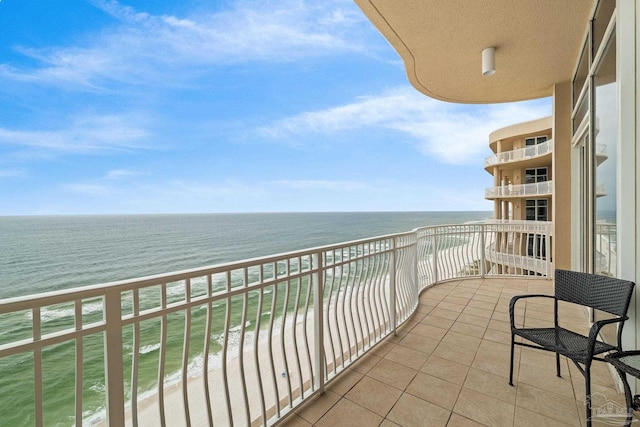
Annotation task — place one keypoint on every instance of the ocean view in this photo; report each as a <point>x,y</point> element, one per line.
<point>47,253</point>
<point>41,254</point>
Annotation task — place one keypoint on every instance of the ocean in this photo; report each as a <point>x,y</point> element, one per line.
<point>47,253</point>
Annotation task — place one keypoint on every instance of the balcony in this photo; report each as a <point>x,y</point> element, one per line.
<point>252,342</point>
<point>520,154</point>
<point>601,153</point>
<point>449,365</point>
<point>537,189</point>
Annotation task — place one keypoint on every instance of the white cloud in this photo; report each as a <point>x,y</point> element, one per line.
<point>148,48</point>
<point>451,133</point>
<point>85,134</point>
<point>121,173</point>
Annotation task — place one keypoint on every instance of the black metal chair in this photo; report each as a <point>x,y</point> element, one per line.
<point>603,293</point>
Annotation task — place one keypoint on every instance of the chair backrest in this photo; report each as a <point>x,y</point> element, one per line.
<point>600,292</point>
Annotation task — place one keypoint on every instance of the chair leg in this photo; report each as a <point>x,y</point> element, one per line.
<point>587,387</point>
<point>511,366</point>
<point>558,365</point>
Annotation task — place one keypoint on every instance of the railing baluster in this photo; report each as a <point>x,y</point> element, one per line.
<point>385,286</point>
<point>135,359</point>
<point>327,314</point>
<point>392,284</point>
<point>79,362</point>
<point>365,300</point>
<point>375,291</point>
<point>163,355</point>
<point>305,335</point>
<point>274,296</point>
<point>483,230</point>
<point>335,308</point>
<point>294,336</point>
<point>342,290</point>
<point>114,368</point>
<point>256,352</point>
<point>225,350</point>
<point>185,353</point>
<point>318,267</point>
<point>207,349</point>
<point>434,246</point>
<point>285,358</point>
<point>37,368</point>
<point>243,326</point>
<point>360,341</point>
<point>347,309</point>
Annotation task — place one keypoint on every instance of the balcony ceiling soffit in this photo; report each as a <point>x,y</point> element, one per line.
<point>537,44</point>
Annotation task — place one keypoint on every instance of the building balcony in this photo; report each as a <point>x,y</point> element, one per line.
<point>538,189</point>
<point>601,190</point>
<point>601,153</point>
<point>396,327</point>
<point>521,154</point>
<point>534,156</point>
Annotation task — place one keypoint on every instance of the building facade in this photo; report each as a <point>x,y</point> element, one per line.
<point>585,54</point>
<point>521,167</point>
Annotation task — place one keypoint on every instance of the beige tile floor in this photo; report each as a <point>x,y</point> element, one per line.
<point>448,365</point>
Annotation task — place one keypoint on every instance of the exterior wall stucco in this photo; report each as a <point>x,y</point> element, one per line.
<point>561,166</point>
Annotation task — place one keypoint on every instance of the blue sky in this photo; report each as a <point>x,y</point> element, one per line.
<point>226,106</point>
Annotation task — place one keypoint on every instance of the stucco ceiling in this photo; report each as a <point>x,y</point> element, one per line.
<point>441,41</point>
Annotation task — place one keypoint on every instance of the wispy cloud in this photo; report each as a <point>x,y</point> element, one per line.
<point>146,48</point>
<point>451,133</point>
<point>121,173</point>
<point>85,134</point>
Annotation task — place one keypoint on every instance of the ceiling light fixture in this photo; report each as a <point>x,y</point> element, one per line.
<point>489,61</point>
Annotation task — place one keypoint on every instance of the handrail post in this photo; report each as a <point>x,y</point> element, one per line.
<point>483,230</point>
<point>317,279</point>
<point>547,249</point>
<point>392,284</point>
<point>113,364</point>
<point>416,273</point>
<point>435,254</point>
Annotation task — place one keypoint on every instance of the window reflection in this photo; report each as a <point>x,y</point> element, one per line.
<point>605,158</point>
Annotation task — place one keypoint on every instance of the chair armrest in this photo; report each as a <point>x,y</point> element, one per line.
<point>512,304</point>
<point>595,330</point>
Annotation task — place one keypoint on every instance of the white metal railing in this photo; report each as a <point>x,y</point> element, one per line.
<point>528,152</point>
<point>243,343</point>
<point>601,150</point>
<point>606,237</point>
<point>543,188</point>
<point>532,151</point>
<point>601,190</point>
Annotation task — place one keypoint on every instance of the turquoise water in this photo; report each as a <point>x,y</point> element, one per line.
<point>39,254</point>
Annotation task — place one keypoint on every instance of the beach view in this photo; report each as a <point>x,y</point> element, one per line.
<point>138,246</point>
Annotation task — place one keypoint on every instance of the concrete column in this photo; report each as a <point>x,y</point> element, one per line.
<point>497,212</point>
<point>561,172</point>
